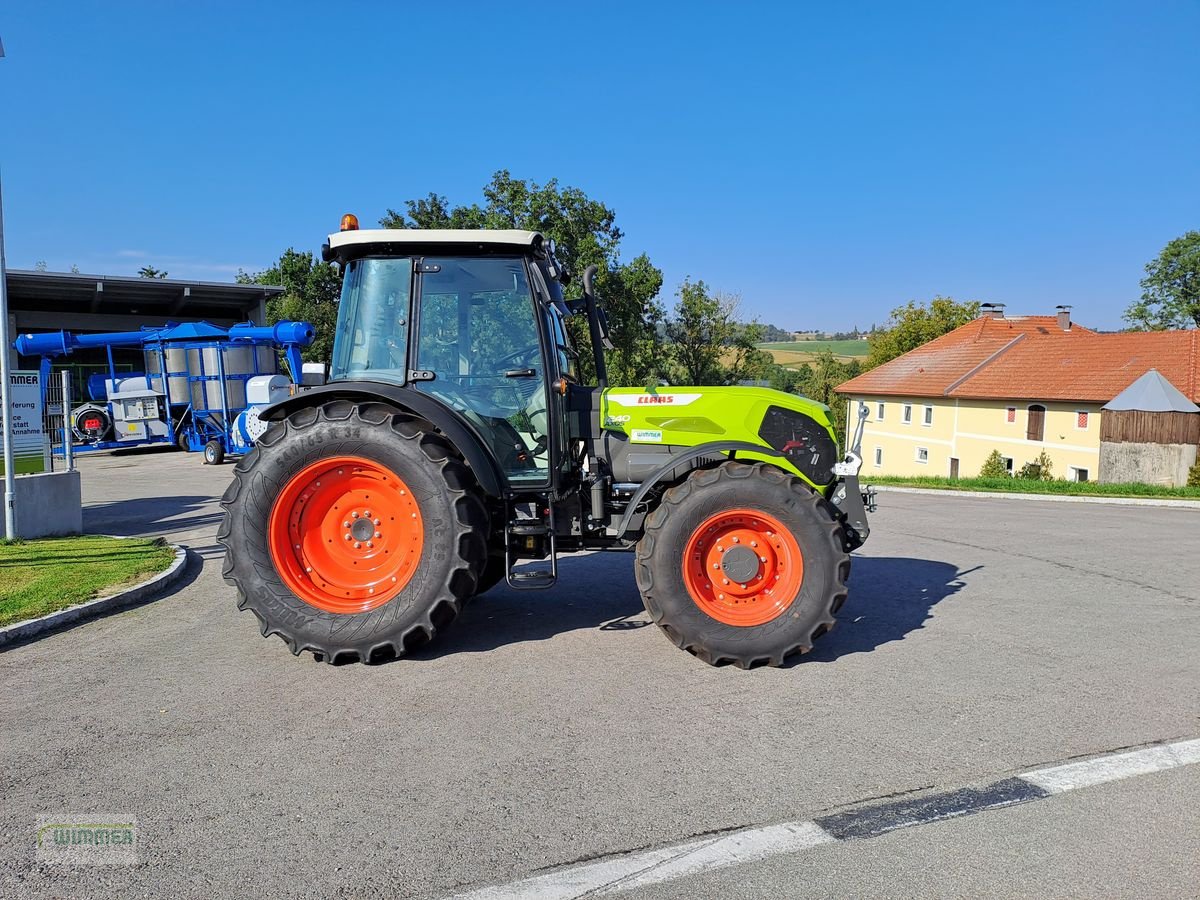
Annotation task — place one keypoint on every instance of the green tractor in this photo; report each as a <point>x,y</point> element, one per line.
<point>454,446</point>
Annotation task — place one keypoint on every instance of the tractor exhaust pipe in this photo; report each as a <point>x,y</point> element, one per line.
<point>594,329</point>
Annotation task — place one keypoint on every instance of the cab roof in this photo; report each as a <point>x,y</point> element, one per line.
<point>491,238</point>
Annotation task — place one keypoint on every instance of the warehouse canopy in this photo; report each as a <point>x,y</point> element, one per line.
<point>1152,393</point>
<point>42,301</point>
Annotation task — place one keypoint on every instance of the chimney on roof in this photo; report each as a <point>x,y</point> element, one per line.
<point>1064,316</point>
<point>992,310</point>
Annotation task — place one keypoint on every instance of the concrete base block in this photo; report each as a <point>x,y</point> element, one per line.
<point>48,504</point>
<point>1161,464</point>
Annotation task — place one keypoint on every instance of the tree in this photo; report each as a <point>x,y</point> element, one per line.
<point>1171,288</point>
<point>701,326</point>
<point>585,233</point>
<point>915,324</point>
<point>774,334</point>
<point>151,272</point>
<point>40,266</point>
<point>818,381</point>
<point>311,291</point>
<point>994,466</point>
<point>745,361</point>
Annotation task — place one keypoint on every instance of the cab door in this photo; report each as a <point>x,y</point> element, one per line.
<point>477,337</point>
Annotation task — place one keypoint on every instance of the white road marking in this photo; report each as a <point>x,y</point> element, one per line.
<point>1072,776</point>
<point>647,867</point>
<point>654,866</point>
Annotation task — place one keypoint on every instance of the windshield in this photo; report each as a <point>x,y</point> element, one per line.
<point>372,326</point>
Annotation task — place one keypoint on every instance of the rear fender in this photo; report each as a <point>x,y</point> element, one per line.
<point>449,422</point>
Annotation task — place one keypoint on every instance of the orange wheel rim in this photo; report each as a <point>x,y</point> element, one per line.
<point>346,534</point>
<point>743,567</point>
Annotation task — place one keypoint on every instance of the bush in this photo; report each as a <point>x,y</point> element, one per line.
<point>1041,469</point>
<point>994,467</point>
<point>1194,475</point>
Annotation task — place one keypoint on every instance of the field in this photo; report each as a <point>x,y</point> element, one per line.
<point>794,353</point>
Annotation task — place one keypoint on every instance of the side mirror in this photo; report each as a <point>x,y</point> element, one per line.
<point>605,333</point>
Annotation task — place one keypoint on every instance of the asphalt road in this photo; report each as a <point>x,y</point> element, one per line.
<point>981,637</point>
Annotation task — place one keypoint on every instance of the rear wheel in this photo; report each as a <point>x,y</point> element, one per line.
<point>353,531</point>
<point>214,453</point>
<point>742,564</point>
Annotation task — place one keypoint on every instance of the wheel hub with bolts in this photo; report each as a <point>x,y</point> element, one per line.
<point>740,564</point>
<point>346,535</point>
<point>742,567</point>
<point>362,527</point>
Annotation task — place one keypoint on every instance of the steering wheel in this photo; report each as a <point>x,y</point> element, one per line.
<point>512,359</point>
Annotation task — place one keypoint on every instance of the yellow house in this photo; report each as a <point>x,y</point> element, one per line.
<point>952,437</point>
<point>1019,385</point>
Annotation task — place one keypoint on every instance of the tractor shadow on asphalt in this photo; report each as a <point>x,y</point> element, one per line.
<point>595,591</point>
<point>889,598</point>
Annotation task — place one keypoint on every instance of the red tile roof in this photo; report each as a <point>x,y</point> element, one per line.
<point>1032,358</point>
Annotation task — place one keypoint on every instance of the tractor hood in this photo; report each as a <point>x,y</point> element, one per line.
<point>690,416</point>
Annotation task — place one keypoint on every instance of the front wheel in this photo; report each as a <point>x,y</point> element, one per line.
<point>353,531</point>
<point>742,564</point>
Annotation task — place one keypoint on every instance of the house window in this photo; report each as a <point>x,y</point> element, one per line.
<point>928,415</point>
<point>879,412</point>
<point>878,457</point>
<point>907,417</point>
<point>922,455</point>
<point>1078,474</point>
<point>1011,414</point>
<point>1081,422</point>
<point>1008,464</point>
<point>1036,429</point>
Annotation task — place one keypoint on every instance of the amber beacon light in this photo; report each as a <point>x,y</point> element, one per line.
<point>349,222</point>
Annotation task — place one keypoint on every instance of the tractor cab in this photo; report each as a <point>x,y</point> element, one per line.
<point>472,319</point>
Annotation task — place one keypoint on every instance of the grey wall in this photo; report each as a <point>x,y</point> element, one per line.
<point>1165,464</point>
<point>48,504</point>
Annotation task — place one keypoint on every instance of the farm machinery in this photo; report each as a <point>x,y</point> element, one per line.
<point>202,388</point>
<point>455,446</point>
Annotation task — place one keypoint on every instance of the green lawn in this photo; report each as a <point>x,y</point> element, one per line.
<point>43,576</point>
<point>1028,486</point>
<point>838,348</point>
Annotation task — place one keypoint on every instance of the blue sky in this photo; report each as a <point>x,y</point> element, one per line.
<point>826,161</point>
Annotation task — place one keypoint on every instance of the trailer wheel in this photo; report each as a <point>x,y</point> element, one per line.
<point>214,453</point>
<point>742,564</point>
<point>353,531</point>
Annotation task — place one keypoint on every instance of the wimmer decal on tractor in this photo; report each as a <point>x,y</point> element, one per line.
<point>454,447</point>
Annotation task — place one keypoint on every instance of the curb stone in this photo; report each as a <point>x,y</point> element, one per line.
<point>92,609</point>
<point>1052,498</point>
